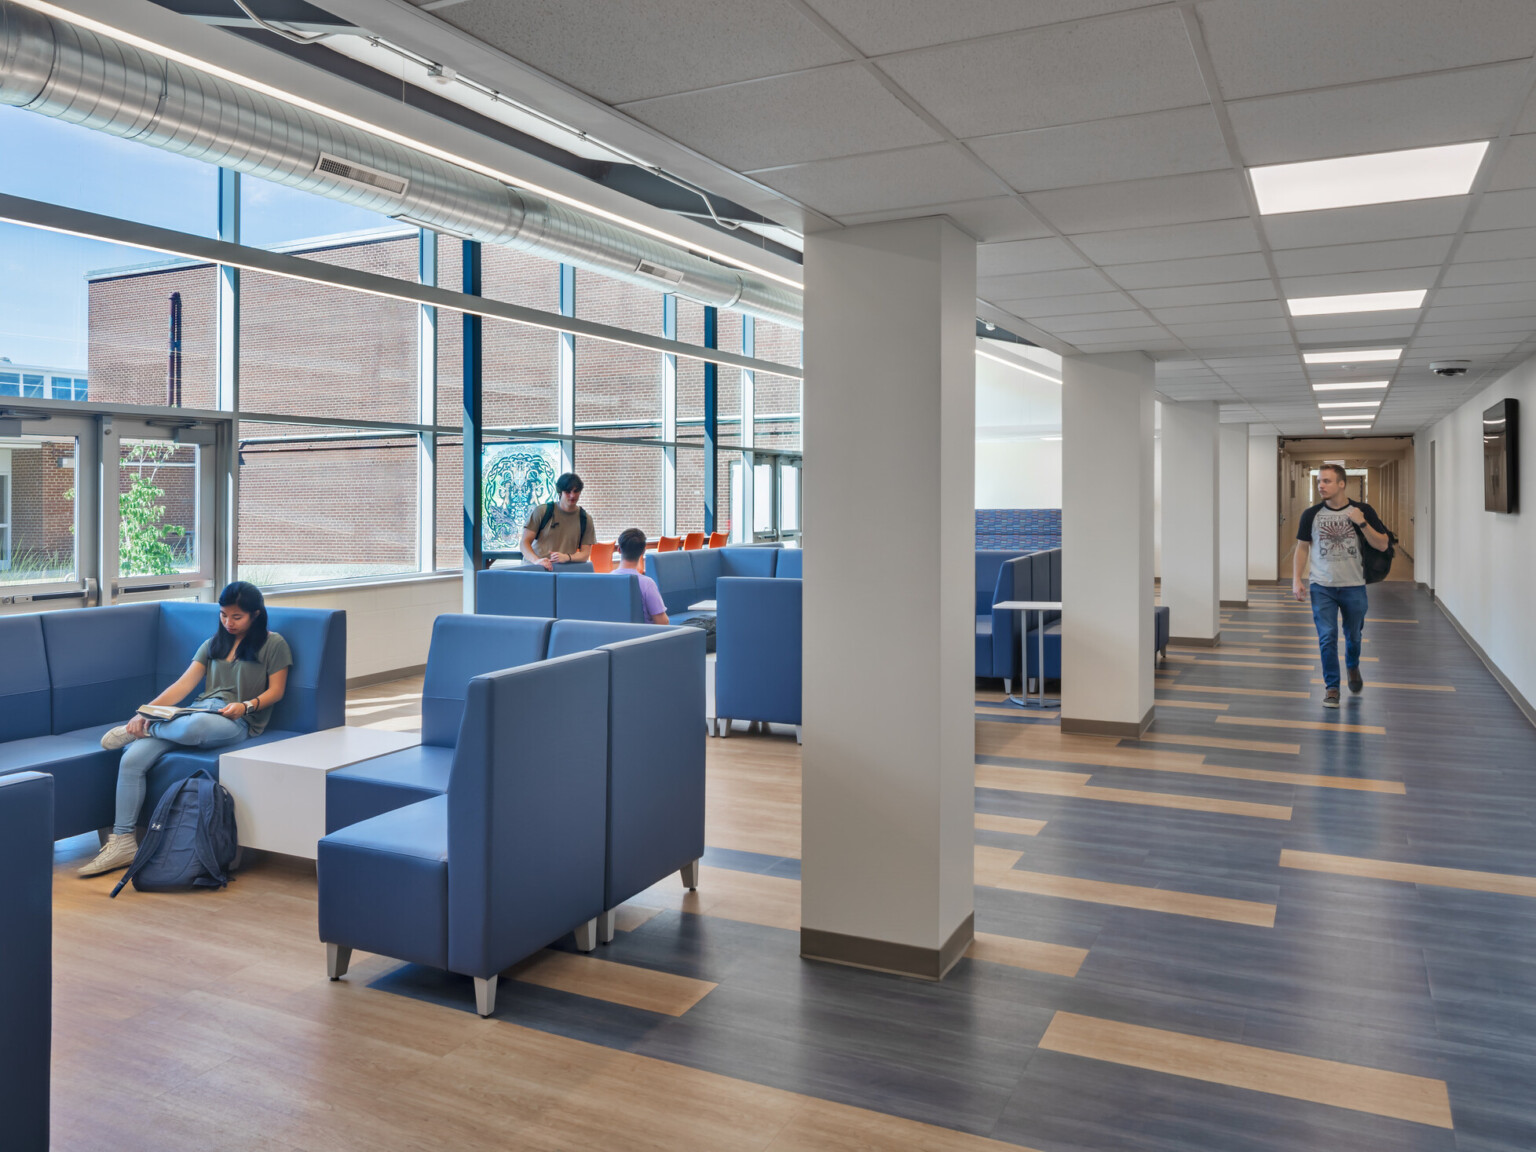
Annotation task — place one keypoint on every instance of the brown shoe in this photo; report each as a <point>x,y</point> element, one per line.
<point>1331,698</point>
<point>1356,681</point>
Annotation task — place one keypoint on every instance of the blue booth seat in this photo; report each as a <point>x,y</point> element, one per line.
<point>26,957</point>
<point>685,578</point>
<point>85,670</point>
<point>510,859</point>
<point>757,652</point>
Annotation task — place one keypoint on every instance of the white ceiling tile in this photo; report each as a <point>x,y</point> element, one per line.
<point>620,52</point>
<point>1025,256</point>
<point>1483,294</point>
<point>1504,244</point>
<point>1349,283</point>
<point>1400,320</point>
<point>877,27</point>
<point>1240,340</point>
<point>1497,326</point>
<point>1121,148</point>
<point>1247,310</point>
<point>994,219</point>
<point>1170,242</point>
<point>1517,167</point>
<point>1437,217</point>
<point>1267,362</point>
<point>1073,305</point>
<point>1065,74</point>
<point>1162,298</point>
<point>1201,348</point>
<point>1463,273</point>
<point>1119,335</point>
<point>1204,270</point>
<point>1524,309</point>
<point>1414,112</point>
<point>1318,336</point>
<point>1419,252</point>
<point>1228,327</point>
<point>1033,285</point>
<point>1143,203</point>
<point>1286,45</point>
<point>1515,208</point>
<point>1148,345</point>
<point>836,111</point>
<point>912,178</point>
<point>1089,321</point>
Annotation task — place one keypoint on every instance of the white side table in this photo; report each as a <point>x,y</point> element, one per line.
<point>1024,608</point>
<point>279,788</point>
<point>703,606</point>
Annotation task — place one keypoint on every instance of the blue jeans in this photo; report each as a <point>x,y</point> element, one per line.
<point>1327,604</point>
<point>206,729</point>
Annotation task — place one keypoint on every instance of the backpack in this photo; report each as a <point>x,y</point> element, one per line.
<point>1376,563</point>
<point>191,842</point>
<point>549,514</point>
<point>707,625</point>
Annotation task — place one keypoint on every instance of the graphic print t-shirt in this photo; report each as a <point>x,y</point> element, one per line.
<point>1336,559</point>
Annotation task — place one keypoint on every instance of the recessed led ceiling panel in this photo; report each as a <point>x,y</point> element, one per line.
<point>1352,404</point>
<point>1350,384</point>
<point>1357,356</point>
<point>1380,178</point>
<point>1359,302</point>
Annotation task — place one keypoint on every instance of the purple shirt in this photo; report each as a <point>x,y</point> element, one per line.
<point>650,595</point>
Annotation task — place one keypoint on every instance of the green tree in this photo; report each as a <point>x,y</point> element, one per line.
<point>144,539</point>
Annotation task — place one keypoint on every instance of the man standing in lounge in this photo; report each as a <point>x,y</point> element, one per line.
<point>631,553</point>
<point>559,533</point>
<point>1338,573</point>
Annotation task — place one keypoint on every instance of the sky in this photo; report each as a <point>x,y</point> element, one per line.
<point>42,274</point>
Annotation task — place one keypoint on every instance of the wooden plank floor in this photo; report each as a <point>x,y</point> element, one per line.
<point>1319,938</point>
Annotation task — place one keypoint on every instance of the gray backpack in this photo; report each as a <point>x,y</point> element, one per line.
<point>192,842</point>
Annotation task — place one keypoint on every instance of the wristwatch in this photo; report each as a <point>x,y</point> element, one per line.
<point>251,705</point>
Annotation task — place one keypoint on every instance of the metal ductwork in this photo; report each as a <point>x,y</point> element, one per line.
<point>72,74</point>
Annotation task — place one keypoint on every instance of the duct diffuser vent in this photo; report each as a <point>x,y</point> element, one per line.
<point>659,272</point>
<point>360,174</point>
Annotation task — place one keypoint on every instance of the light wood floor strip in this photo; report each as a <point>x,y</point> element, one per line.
<point>1225,691</point>
<point>1205,705</point>
<point>1018,825</point>
<point>1219,742</point>
<point>1384,620</point>
<point>1131,896</point>
<point>1229,649</point>
<point>1310,725</point>
<point>1244,664</point>
<point>643,988</point>
<point>1071,784</point>
<point>1409,873</point>
<point>1035,955</point>
<point>1353,1086</point>
<point>1409,687</point>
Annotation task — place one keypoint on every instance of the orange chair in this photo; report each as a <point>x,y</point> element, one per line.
<point>719,539</point>
<point>669,544</point>
<point>693,541</point>
<point>602,557</point>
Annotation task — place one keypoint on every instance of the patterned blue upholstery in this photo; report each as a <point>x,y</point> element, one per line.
<point>1018,529</point>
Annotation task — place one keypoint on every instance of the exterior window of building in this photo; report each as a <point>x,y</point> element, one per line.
<point>31,385</point>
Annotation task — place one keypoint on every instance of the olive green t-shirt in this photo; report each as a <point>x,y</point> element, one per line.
<point>563,532</point>
<point>231,680</point>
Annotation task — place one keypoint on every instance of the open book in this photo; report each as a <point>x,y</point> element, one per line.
<point>164,711</point>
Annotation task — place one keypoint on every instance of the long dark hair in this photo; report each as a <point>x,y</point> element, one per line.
<point>247,597</point>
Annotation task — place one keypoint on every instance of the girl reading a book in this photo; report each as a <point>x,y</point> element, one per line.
<point>243,671</point>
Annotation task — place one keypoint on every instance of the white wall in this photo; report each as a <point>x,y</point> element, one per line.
<point>1485,560</point>
<point>1233,497</point>
<point>389,626</point>
<point>1263,507</point>
<point>1015,466</point>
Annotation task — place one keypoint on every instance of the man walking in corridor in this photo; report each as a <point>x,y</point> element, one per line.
<point>1332,530</point>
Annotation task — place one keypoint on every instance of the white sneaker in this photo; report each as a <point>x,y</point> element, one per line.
<point>117,738</point>
<point>117,852</point>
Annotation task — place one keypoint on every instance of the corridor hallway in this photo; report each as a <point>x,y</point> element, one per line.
<point>1261,927</point>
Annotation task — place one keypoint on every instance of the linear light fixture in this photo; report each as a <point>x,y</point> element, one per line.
<point>114,33</point>
<point>1346,385</point>
<point>1346,427</point>
<point>1352,404</point>
<point>1356,356</point>
<point>1015,364</point>
<point>1050,437</point>
<point>1359,302</point>
<point>1333,421</point>
<point>1378,178</point>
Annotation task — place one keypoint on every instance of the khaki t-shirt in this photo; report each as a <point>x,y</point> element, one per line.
<point>563,532</point>
<point>231,680</point>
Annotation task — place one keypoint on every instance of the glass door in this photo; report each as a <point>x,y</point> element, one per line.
<point>158,535</point>
<point>44,557</point>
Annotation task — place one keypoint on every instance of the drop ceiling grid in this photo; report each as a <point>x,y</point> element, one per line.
<point>1111,169</point>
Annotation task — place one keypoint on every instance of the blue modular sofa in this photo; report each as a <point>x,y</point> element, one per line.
<point>508,859</point>
<point>26,958</point>
<point>654,758</point>
<point>685,578</point>
<point>757,651</point>
<point>69,676</point>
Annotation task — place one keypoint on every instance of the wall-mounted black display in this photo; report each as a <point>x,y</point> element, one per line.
<point>1501,457</point>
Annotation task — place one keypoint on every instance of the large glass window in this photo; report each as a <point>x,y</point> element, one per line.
<point>623,487</point>
<point>37,510</point>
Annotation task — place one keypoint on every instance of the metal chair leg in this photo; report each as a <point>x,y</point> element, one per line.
<point>690,874</point>
<point>605,926</point>
<point>337,960</point>
<point>586,936</point>
<point>485,994</point>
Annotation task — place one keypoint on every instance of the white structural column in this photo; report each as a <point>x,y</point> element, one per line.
<point>888,682</point>
<point>1232,468</point>
<point>1106,543</point>
<point>1264,508</point>
<point>1190,508</point>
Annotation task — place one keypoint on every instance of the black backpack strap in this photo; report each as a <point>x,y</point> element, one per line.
<point>146,851</point>
<point>583,535</point>
<point>202,843</point>
<point>549,514</point>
